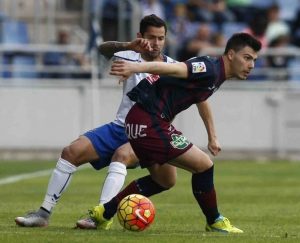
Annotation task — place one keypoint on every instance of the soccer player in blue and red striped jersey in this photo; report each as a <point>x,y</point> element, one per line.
<point>107,145</point>
<point>159,98</point>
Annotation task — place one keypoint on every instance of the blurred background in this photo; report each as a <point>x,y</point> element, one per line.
<point>54,85</point>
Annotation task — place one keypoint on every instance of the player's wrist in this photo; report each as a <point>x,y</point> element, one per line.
<point>212,138</point>
<point>127,46</point>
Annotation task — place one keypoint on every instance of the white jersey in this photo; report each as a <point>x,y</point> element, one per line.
<point>130,83</point>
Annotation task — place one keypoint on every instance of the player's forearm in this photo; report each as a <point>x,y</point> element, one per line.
<point>108,48</point>
<point>207,117</point>
<point>171,69</point>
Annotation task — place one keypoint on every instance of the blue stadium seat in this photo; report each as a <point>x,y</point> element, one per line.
<point>24,61</point>
<point>293,67</point>
<point>14,32</point>
<point>230,28</point>
<point>16,61</point>
<point>5,60</point>
<point>262,4</point>
<point>288,9</point>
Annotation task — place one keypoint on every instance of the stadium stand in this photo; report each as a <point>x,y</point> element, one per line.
<point>31,23</point>
<point>14,32</point>
<point>232,27</point>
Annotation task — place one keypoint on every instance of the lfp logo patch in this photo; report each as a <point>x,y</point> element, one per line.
<point>198,67</point>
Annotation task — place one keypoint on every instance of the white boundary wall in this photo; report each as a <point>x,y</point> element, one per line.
<point>49,114</point>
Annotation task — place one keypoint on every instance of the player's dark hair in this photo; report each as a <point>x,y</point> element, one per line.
<point>151,20</point>
<point>240,40</point>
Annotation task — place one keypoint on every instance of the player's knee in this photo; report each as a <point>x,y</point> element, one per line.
<point>204,165</point>
<point>125,156</point>
<point>167,181</point>
<point>71,155</point>
<point>120,156</point>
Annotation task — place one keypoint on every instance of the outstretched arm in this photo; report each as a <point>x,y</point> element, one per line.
<point>207,117</point>
<point>126,69</point>
<point>108,48</point>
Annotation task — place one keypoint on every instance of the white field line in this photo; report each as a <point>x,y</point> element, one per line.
<point>25,176</point>
<point>21,177</point>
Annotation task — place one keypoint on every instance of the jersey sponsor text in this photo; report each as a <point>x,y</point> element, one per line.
<point>134,131</point>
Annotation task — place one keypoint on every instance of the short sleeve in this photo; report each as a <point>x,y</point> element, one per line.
<point>200,68</point>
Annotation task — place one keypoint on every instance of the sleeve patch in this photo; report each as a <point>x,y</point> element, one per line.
<point>152,78</point>
<point>198,67</point>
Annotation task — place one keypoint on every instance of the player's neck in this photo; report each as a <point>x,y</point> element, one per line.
<point>147,58</point>
<point>227,70</point>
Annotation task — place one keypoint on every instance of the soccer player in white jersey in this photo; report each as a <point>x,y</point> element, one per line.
<point>108,145</point>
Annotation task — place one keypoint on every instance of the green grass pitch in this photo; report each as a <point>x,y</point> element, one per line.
<point>262,198</point>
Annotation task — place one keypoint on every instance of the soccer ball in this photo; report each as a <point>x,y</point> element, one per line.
<point>136,212</point>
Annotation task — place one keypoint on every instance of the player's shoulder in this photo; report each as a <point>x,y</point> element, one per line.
<point>128,55</point>
<point>202,64</point>
<point>201,59</point>
<point>204,61</point>
<point>169,59</point>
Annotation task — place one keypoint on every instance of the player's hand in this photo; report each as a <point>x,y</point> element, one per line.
<point>140,45</point>
<point>123,69</point>
<point>214,147</point>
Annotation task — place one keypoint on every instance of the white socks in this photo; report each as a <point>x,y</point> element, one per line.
<point>113,182</point>
<point>62,174</point>
<point>59,181</point>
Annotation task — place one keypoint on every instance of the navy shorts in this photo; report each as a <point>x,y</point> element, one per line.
<point>153,139</point>
<point>106,139</point>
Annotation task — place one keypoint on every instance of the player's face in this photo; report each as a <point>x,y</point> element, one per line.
<point>157,38</point>
<point>242,62</point>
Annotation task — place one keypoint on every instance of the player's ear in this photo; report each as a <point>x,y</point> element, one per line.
<point>139,35</point>
<point>230,54</point>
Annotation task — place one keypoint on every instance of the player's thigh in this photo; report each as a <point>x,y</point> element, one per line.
<point>80,151</point>
<point>165,174</point>
<point>193,160</point>
<point>125,155</point>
